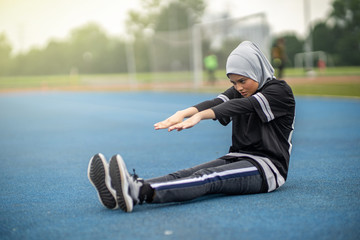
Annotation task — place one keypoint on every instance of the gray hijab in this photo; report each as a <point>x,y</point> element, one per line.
<point>247,60</point>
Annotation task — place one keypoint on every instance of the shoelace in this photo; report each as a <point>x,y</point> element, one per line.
<point>134,175</point>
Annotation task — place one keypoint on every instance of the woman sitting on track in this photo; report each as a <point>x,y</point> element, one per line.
<point>262,111</point>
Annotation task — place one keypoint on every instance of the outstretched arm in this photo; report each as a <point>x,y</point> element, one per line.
<point>176,118</point>
<point>192,121</point>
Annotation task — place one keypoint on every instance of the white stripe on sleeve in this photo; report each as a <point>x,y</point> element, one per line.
<point>223,97</point>
<point>265,106</point>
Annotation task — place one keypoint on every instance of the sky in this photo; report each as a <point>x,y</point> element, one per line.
<point>32,23</point>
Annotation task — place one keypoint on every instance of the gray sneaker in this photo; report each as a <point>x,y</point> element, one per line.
<point>98,174</point>
<point>127,186</point>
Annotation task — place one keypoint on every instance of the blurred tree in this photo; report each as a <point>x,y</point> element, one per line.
<point>92,51</point>
<point>346,13</point>
<point>113,57</point>
<point>293,45</point>
<point>179,15</point>
<point>55,58</point>
<point>87,44</point>
<point>347,18</point>
<point>5,57</point>
<point>320,33</point>
<point>160,16</point>
<point>339,35</point>
<point>87,50</point>
<point>164,16</point>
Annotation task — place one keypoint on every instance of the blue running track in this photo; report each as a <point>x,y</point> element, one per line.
<point>47,139</point>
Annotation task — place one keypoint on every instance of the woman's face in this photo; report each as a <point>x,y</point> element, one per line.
<point>244,85</point>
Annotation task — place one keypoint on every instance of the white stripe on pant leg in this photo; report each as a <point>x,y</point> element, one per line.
<point>280,179</point>
<point>204,177</point>
<point>268,167</point>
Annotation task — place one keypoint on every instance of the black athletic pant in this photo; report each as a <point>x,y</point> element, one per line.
<point>226,176</point>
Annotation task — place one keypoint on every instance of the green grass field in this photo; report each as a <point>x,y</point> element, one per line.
<point>332,71</point>
<point>113,81</point>
<point>344,89</point>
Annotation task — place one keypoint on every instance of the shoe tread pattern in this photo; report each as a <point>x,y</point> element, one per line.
<point>97,176</point>
<point>116,184</point>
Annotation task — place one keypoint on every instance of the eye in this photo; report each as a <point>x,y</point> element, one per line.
<point>242,80</point>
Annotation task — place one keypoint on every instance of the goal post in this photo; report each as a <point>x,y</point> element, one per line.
<point>222,36</point>
<point>177,56</point>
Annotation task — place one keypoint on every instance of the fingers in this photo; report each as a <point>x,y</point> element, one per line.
<point>165,124</point>
<point>181,126</point>
<point>171,125</point>
<point>176,123</point>
<point>176,118</point>
<point>162,125</point>
<point>177,127</point>
<point>159,125</point>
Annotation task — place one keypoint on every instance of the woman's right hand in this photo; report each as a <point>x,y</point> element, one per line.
<point>176,118</point>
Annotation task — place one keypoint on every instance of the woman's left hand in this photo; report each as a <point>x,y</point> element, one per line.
<point>188,123</point>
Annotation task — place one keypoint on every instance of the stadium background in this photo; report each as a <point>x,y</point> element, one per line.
<point>91,92</point>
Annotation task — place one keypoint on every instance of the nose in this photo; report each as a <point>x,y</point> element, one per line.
<point>238,87</point>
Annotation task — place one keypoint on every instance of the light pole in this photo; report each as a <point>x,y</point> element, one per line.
<point>308,40</point>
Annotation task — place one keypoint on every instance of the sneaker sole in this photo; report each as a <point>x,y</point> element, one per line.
<point>119,182</point>
<point>98,174</point>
